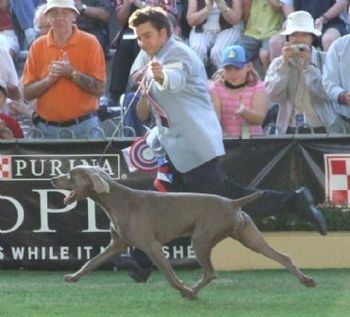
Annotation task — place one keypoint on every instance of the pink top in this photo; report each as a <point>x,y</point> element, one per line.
<point>231,124</point>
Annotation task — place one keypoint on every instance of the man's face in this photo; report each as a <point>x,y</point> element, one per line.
<point>300,38</point>
<point>149,38</point>
<point>61,19</point>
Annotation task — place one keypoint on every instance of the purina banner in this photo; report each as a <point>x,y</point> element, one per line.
<point>38,231</point>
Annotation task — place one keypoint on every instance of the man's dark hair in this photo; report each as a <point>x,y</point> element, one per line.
<point>155,15</point>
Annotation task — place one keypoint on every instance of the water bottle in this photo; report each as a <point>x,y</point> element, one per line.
<point>103,101</point>
<point>245,132</point>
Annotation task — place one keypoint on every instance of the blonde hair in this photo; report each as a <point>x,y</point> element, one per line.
<point>252,76</point>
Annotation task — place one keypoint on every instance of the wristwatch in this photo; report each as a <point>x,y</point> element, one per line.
<point>73,75</point>
<point>83,8</point>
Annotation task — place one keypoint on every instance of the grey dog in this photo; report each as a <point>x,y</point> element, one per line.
<point>148,219</point>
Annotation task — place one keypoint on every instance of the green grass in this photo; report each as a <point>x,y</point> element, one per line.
<point>107,294</point>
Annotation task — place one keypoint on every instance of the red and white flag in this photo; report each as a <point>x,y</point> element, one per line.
<point>5,167</point>
<point>337,174</point>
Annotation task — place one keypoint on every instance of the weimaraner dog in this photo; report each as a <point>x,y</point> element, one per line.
<point>148,219</point>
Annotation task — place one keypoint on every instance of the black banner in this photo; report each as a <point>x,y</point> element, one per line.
<point>38,231</point>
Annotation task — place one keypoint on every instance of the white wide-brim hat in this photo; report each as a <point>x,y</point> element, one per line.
<point>65,4</point>
<point>300,21</point>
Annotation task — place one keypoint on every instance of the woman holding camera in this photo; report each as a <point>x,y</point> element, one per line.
<point>294,80</point>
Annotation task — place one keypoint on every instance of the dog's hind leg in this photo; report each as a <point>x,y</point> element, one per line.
<point>154,251</point>
<point>202,250</point>
<point>115,247</point>
<point>252,238</point>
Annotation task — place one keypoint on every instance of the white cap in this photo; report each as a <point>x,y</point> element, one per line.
<point>300,21</point>
<point>65,4</point>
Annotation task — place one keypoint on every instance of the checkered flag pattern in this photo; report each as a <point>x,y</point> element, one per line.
<point>5,167</point>
<point>337,174</point>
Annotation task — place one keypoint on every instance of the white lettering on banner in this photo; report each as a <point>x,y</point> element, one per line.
<point>55,167</point>
<point>178,252</point>
<point>20,214</point>
<point>65,253</point>
<point>43,167</point>
<point>20,165</point>
<point>92,218</point>
<point>38,169</point>
<point>50,253</point>
<point>45,210</point>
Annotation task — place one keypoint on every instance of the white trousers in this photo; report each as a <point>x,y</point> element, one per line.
<point>209,45</point>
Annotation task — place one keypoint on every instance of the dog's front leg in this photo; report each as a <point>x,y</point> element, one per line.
<point>154,251</point>
<point>114,248</point>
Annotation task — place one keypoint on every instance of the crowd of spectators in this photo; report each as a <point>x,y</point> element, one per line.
<point>285,48</point>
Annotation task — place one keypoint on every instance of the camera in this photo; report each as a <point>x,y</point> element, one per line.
<point>298,47</point>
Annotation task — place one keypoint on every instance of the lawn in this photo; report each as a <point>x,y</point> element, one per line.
<point>106,294</point>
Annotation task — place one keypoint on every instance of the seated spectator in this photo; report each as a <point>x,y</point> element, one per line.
<point>215,25</point>
<point>336,81</point>
<point>23,17</point>
<point>126,47</point>
<point>9,127</point>
<point>295,82</point>
<point>94,17</point>
<point>8,37</point>
<point>56,67</point>
<point>262,20</point>
<point>8,74</point>
<point>327,18</point>
<point>239,97</point>
<point>330,30</point>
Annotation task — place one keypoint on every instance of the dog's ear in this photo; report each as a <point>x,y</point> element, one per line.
<point>100,185</point>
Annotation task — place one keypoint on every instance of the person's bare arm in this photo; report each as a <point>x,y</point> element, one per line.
<point>142,109</point>
<point>36,89</point>
<point>276,5</point>
<point>195,16</point>
<point>88,83</point>
<point>331,13</point>
<point>246,6</point>
<point>257,114</point>
<point>233,14</point>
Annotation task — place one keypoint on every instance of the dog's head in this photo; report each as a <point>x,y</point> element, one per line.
<point>81,180</point>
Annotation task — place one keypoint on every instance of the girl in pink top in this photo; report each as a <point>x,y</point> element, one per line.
<point>239,97</point>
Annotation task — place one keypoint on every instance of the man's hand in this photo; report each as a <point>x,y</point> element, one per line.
<point>344,98</point>
<point>60,68</point>
<point>156,70</point>
<point>319,23</point>
<point>209,4</point>
<point>296,51</point>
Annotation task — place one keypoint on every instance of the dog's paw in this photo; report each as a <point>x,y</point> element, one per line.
<point>70,278</point>
<point>308,281</point>
<point>188,293</point>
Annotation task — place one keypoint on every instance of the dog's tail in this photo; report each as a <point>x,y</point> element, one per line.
<point>240,202</point>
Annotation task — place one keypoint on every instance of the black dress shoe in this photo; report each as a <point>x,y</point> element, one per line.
<point>305,203</point>
<point>139,274</point>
